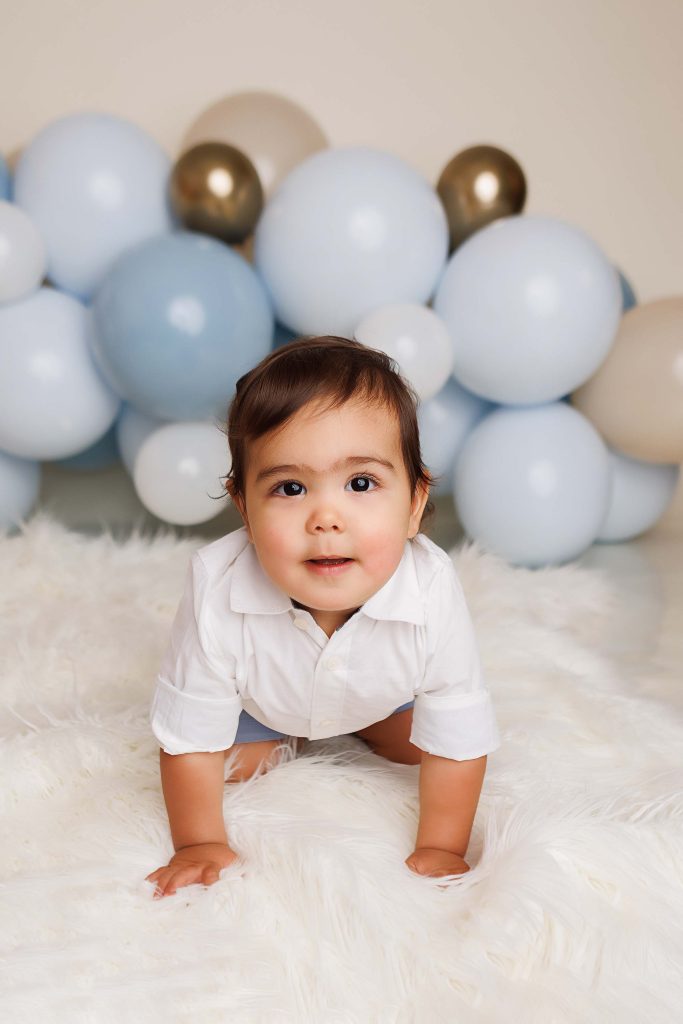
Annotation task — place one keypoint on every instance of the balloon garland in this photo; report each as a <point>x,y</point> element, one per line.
<point>134,292</point>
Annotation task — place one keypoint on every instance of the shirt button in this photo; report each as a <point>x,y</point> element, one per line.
<point>325,722</point>
<point>333,663</point>
<point>301,623</point>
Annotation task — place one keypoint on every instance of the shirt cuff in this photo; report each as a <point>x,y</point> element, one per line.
<point>458,727</point>
<point>186,724</point>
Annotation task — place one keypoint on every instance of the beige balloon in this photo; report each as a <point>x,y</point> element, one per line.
<point>275,133</point>
<point>635,399</point>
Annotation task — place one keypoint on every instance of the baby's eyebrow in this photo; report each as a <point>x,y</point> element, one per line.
<point>352,460</point>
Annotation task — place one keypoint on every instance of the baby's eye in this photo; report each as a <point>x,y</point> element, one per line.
<point>290,489</point>
<point>359,484</point>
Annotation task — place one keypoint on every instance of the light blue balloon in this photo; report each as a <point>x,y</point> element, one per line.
<point>132,428</point>
<point>640,493</point>
<point>532,484</point>
<point>94,185</point>
<point>54,401</point>
<point>445,420</point>
<point>178,320</point>
<point>5,180</point>
<point>533,307</point>
<point>349,230</point>
<point>628,296</point>
<point>100,455</point>
<point>19,487</point>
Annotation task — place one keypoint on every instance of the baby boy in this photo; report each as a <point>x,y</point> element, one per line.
<point>328,613</point>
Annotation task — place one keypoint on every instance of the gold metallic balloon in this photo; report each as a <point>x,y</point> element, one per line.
<point>635,398</point>
<point>214,189</point>
<point>478,186</point>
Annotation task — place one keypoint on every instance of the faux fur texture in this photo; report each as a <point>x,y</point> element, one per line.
<point>573,909</point>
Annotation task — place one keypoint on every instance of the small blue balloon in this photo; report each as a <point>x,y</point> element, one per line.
<point>100,455</point>
<point>640,494</point>
<point>445,420</point>
<point>532,483</point>
<point>178,320</point>
<point>628,295</point>
<point>5,180</point>
<point>19,487</point>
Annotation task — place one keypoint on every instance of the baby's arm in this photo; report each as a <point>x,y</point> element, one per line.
<point>193,786</point>
<point>449,795</point>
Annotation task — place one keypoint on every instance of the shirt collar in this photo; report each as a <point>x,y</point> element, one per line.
<point>253,592</point>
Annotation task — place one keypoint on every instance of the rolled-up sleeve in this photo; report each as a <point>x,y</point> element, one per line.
<point>453,714</point>
<point>195,706</point>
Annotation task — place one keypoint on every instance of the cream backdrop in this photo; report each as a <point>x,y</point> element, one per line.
<point>585,95</point>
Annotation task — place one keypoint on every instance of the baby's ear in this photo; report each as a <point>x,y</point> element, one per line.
<point>420,498</point>
<point>239,503</point>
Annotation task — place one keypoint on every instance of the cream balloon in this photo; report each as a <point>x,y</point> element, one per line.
<point>177,472</point>
<point>416,339</point>
<point>275,133</point>
<point>635,399</point>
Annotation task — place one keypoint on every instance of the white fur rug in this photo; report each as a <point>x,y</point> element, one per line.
<point>573,909</point>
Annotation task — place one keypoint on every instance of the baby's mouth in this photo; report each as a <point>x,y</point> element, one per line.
<point>329,561</point>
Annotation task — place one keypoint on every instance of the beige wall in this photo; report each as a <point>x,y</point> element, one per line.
<point>586,94</point>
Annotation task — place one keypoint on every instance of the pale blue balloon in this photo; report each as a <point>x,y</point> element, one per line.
<point>55,402</point>
<point>178,320</point>
<point>19,487</point>
<point>349,230</point>
<point>532,484</point>
<point>533,306</point>
<point>132,428</point>
<point>5,180</point>
<point>445,420</point>
<point>94,185</point>
<point>100,455</point>
<point>640,494</point>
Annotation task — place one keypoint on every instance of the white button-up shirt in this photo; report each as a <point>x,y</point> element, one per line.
<point>238,642</point>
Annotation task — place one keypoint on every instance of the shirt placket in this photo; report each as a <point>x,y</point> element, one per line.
<point>330,676</point>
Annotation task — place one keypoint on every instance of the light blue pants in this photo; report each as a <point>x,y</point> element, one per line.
<point>251,731</point>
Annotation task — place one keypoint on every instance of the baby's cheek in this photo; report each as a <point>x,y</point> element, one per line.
<point>383,553</point>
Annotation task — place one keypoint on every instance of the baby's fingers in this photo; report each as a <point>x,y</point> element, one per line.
<point>167,884</point>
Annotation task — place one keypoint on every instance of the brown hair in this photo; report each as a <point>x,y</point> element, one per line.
<point>321,368</point>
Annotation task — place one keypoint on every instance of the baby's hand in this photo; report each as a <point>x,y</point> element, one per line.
<point>201,863</point>
<point>426,861</point>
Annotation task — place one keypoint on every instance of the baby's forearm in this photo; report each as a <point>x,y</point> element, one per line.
<point>449,795</point>
<point>193,791</point>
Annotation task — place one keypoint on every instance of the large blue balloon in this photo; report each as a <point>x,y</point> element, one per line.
<point>178,320</point>
<point>93,185</point>
<point>533,306</point>
<point>532,484</point>
<point>347,231</point>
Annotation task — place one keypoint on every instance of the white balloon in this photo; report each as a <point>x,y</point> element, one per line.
<point>132,428</point>
<point>445,421</point>
<point>53,401</point>
<point>178,469</point>
<point>416,339</point>
<point>533,306</point>
<point>22,254</point>
<point>532,484</point>
<point>19,487</point>
<point>641,492</point>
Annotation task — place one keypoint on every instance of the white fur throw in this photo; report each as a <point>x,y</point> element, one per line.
<point>573,909</point>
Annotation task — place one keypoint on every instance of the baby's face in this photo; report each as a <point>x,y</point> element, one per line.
<point>330,485</point>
